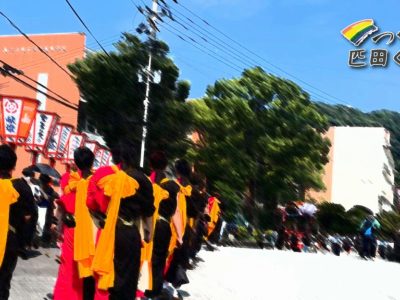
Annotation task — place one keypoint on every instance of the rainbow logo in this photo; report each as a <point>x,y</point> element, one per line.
<point>357,32</point>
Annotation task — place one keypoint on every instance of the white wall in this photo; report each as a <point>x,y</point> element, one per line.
<point>358,161</point>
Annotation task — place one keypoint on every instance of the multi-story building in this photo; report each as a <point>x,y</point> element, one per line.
<point>360,169</point>
<point>64,48</point>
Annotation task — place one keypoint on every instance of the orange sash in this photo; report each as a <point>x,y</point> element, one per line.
<point>179,220</point>
<point>116,186</point>
<point>214,215</point>
<point>83,232</point>
<point>8,196</point>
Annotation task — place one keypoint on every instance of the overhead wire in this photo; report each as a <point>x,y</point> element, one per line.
<point>16,78</point>
<point>254,53</point>
<point>86,27</point>
<point>34,43</point>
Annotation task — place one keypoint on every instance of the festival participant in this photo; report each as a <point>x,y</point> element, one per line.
<point>75,279</point>
<point>368,229</point>
<point>165,199</point>
<point>25,188</point>
<point>118,196</point>
<point>48,237</point>
<point>196,207</point>
<point>179,248</point>
<point>11,219</point>
<point>215,223</point>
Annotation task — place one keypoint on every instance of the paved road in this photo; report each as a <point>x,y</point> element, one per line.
<point>34,278</point>
<point>251,274</point>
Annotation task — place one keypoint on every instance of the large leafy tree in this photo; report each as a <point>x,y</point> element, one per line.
<point>260,138</point>
<point>114,91</point>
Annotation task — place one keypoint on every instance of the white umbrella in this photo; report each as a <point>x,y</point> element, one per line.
<point>308,209</point>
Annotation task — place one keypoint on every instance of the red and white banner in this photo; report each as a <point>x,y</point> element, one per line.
<point>65,134</point>
<point>92,145</point>
<point>98,155</point>
<point>41,129</point>
<point>106,158</point>
<point>58,141</point>
<point>75,141</point>
<point>17,115</point>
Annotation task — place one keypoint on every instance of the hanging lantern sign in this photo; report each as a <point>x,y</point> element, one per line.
<point>17,116</point>
<point>93,146</point>
<point>41,129</point>
<point>51,151</point>
<point>65,134</point>
<point>98,155</point>
<point>105,159</point>
<point>75,141</point>
<point>58,141</point>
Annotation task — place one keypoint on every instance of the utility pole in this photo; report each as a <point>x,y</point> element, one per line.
<point>146,101</point>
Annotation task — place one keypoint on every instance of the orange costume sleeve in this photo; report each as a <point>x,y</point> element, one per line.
<point>179,219</point>
<point>214,212</point>
<point>115,186</point>
<point>8,196</point>
<point>83,231</point>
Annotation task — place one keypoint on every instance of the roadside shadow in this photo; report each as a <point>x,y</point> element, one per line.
<point>183,293</point>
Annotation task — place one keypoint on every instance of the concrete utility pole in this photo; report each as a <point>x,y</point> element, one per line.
<point>146,101</point>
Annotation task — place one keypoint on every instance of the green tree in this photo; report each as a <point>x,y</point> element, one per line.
<point>114,93</point>
<point>260,139</point>
<point>390,223</point>
<point>332,218</point>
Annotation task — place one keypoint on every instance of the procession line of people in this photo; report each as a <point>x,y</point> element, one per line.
<point>118,228</point>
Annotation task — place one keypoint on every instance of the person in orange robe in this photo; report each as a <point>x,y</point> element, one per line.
<point>11,220</point>
<point>118,197</point>
<point>75,280</point>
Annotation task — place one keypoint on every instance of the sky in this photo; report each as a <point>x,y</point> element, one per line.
<point>296,39</point>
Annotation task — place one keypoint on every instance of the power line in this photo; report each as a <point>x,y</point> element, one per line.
<point>255,54</point>
<point>32,42</point>
<point>193,42</point>
<point>87,28</point>
<point>8,67</point>
<point>6,72</point>
<point>236,68</point>
<point>196,42</point>
<point>210,38</point>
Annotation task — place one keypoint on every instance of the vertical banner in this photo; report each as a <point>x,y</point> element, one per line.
<point>40,132</point>
<point>98,158</point>
<point>17,116</point>
<point>52,144</point>
<point>91,145</point>
<point>105,158</point>
<point>65,134</point>
<point>75,141</point>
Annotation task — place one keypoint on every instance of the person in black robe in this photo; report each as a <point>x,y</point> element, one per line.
<point>30,211</point>
<point>162,232</point>
<point>127,236</point>
<point>176,273</point>
<point>48,237</point>
<point>196,205</point>
<point>8,160</point>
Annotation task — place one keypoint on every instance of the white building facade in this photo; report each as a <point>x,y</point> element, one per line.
<point>361,168</point>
